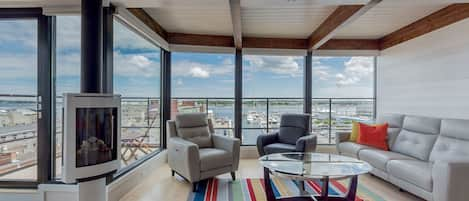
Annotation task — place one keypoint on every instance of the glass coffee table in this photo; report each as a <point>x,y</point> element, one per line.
<point>313,166</point>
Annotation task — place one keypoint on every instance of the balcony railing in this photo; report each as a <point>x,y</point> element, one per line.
<point>262,115</point>
<point>141,122</point>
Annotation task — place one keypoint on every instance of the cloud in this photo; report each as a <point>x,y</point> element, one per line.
<point>136,64</point>
<point>321,72</point>
<point>185,68</point>
<point>198,72</point>
<point>282,65</point>
<point>356,70</point>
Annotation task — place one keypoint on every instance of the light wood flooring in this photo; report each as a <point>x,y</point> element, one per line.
<point>159,185</point>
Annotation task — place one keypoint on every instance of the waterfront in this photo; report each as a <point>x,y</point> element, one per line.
<point>141,123</point>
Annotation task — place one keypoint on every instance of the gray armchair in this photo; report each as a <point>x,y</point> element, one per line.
<point>196,153</point>
<point>293,136</point>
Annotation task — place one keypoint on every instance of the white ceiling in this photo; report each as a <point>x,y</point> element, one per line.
<point>268,18</point>
<point>285,21</point>
<point>388,16</point>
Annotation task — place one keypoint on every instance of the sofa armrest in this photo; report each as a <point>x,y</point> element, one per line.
<point>450,181</point>
<point>306,143</point>
<point>183,157</point>
<point>264,140</point>
<point>341,137</point>
<point>229,144</point>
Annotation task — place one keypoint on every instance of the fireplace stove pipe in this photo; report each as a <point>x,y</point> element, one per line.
<point>91,46</point>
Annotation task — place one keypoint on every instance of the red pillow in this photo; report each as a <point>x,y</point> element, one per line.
<point>374,136</point>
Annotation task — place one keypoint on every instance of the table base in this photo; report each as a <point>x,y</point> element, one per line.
<point>349,196</point>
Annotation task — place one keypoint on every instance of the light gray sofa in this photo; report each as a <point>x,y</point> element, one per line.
<point>196,153</point>
<point>428,157</point>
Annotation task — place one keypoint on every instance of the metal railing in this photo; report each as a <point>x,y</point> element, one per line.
<point>261,115</point>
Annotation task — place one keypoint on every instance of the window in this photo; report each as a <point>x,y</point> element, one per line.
<point>137,79</point>
<point>272,86</point>
<point>204,83</point>
<point>18,99</point>
<point>67,78</point>
<point>343,91</point>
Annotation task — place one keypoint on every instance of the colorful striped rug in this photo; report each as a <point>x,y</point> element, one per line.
<point>253,190</point>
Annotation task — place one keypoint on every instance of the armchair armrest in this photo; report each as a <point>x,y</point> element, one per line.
<point>450,181</point>
<point>306,143</point>
<point>183,157</point>
<point>229,144</point>
<point>264,140</point>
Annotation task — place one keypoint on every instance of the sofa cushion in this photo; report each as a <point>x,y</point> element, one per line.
<point>416,172</point>
<point>211,158</point>
<point>453,142</point>
<point>351,148</point>
<point>279,148</point>
<point>425,125</point>
<point>414,144</point>
<point>379,158</point>
<point>292,127</point>
<point>392,135</point>
<point>394,122</point>
<point>417,137</point>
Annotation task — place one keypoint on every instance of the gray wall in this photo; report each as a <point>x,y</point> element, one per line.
<point>428,75</point>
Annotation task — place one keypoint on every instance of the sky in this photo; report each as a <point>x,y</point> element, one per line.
<point>137,67</point>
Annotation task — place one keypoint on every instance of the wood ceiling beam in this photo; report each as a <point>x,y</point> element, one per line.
<point>441,18</point>
<point>343,15</point>
<point>275,43</point>
<point>149,21</point>
<point>235,8</point>
<point>200,40</point>
<point>351,44</point>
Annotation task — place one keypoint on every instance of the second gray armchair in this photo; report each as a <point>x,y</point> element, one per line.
<point>196,153</point>
<point>293,136</point>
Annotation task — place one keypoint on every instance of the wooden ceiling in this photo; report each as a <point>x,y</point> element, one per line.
<point>284,24</point>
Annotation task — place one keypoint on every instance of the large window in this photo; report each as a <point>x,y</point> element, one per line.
<point>272,86</point>
<point>204,83</point>
<point>67,76</point>
<point>18,99</point>
<point>343,91</point>
<point>137,79</point>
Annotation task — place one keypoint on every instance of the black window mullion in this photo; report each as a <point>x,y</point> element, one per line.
<point>45,127</point>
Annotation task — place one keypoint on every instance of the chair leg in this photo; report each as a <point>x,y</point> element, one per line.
<point>233,175</point>
<point>173,172</point>
<point>194,187</point>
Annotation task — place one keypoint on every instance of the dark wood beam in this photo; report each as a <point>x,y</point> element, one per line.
<point>149,21</point>
<point>343,15</point>
<point>200,40</point>
<point>351,44</point>
<point>276,43</point>
<point>235,7</point>
<point>441,18</point>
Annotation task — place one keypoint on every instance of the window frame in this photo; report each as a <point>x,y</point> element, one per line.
<point>45,69</point>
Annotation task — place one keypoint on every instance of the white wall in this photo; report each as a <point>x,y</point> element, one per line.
<point>428,75</point>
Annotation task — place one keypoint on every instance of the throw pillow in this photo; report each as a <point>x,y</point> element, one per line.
<point>355,131</point>
<point>374,136</point>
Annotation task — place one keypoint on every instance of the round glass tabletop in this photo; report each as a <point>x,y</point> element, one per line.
<point>313,165</point>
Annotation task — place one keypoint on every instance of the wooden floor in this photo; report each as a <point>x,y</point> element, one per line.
<point>159,185</point>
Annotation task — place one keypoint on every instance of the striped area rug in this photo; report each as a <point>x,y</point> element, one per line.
<point>253,190</point>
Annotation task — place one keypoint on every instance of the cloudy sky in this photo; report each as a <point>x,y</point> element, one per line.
<point>136,68</point>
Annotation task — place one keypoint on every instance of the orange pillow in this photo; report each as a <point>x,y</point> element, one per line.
<point>374,136</point>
